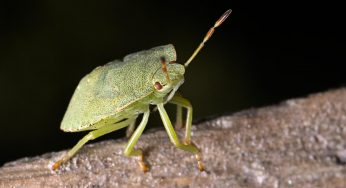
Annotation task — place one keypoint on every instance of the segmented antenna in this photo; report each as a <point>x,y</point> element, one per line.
<point>164,68</point>
<point>208,35</point>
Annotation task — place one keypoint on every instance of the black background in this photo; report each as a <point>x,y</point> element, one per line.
<point>263,54</point>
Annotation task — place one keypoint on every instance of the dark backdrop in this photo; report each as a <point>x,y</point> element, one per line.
<point>263,54</point>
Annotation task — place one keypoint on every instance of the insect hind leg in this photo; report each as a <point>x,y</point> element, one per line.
<point>91,136</point>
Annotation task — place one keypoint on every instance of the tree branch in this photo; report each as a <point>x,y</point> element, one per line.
<point>298,143</point>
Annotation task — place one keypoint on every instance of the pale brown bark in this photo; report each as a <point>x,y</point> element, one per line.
<point>298,143</point>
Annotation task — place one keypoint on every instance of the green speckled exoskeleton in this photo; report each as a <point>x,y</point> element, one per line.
<point>112,96</point>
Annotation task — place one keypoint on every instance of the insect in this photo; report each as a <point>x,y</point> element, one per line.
<point>112,96</point>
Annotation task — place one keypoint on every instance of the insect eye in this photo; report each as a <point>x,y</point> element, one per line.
<point>158,86</point>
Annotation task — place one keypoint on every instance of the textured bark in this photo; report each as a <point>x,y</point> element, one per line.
<point>298,143</point>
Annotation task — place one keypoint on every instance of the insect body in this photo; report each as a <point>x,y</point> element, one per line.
<point>112,96</point>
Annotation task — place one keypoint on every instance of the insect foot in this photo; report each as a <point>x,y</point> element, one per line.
<point>198,156</point>
<point>144,167</point>
<point>199,162</point>
<point>57,165</point>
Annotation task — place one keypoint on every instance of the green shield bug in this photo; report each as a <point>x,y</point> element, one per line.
<point>112,96</point>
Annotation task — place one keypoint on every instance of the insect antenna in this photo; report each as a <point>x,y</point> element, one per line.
<point>164,69</point>
<point>208,35</point>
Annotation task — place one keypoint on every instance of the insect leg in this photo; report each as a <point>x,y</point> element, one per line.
<point>130,129</point>
<point>182,102</point>
<point>174,138</point>
<point>179,115</point>
<point>179,118</point>
<point>91,136</point>
<point>129,151</point>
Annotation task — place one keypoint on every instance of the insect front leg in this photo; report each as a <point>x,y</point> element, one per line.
<point>91,136</point>
<point>179,115</point>
<point>174,138</point>
<point>179,118</point>
<point>182,102</point>
<point>129,151</point>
